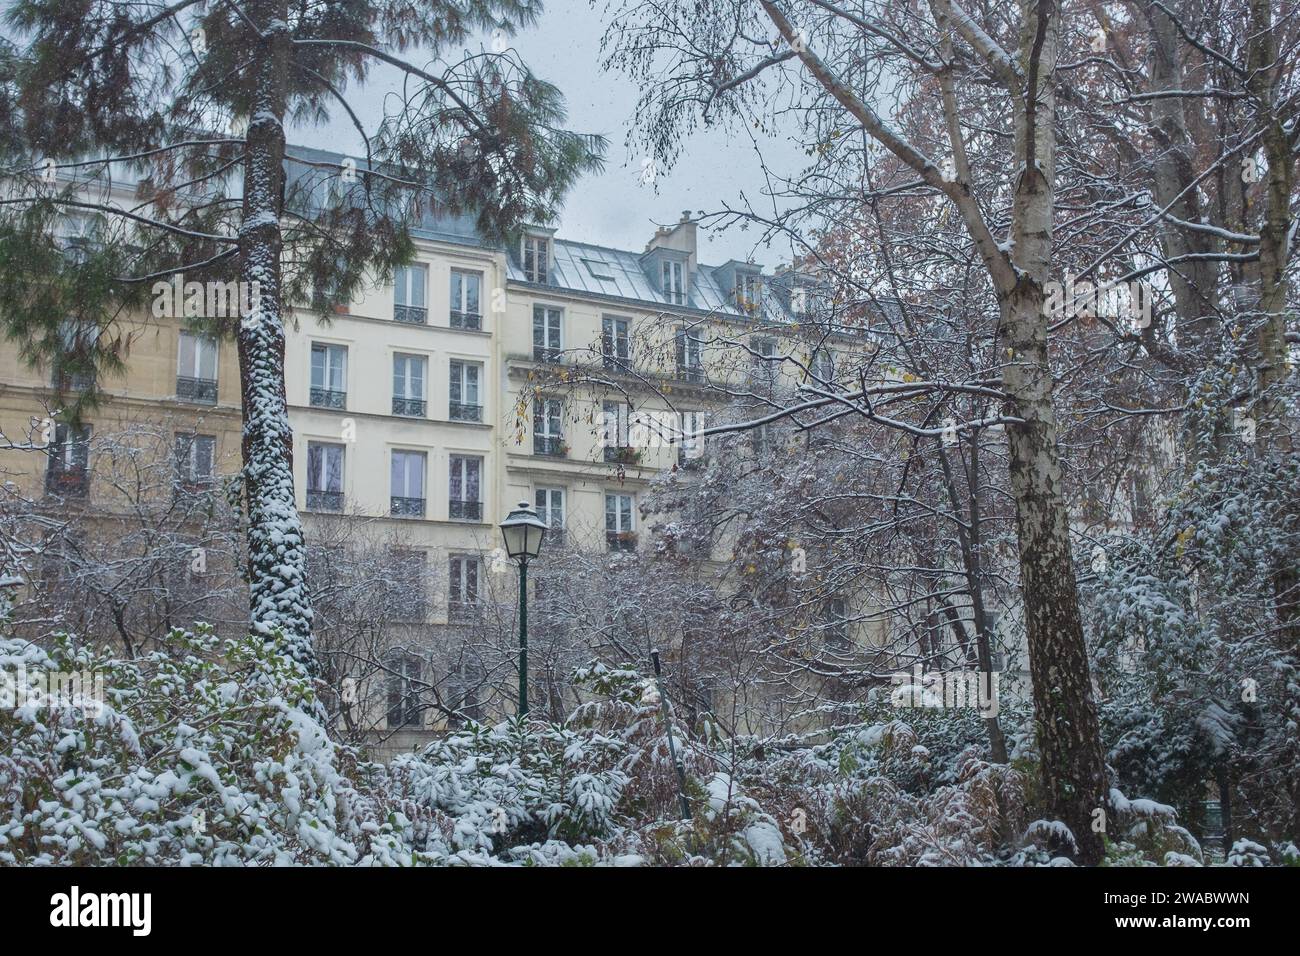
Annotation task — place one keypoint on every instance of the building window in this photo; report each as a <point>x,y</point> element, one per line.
<point>547,344</point>
<point>761,438</point>
<point>749,292</point>
<point>464,487</point>
<point>466,291</point>
<point>68,472</point>
<point>465,403</point>
<point>550,508</point>
<point>464,573</point>
<point>196,369</point>
<point>194,460</point>
<point>690,348</point>
<point>408,385</point>
<point>691,449</point>
<point>74,365</point>
<point>673,276</point>
<point>409,285</point>
<point>835,625</point>
<point>329,376</point>
<point>410,575</point>
<point>823,367</point>
<point>404,671</point>
<point>616,344</point>
<point>406,484</point>
<point>537,258</point>
<point>324,476</point>
<point>548,434</point>
<point>620,526</point>
<point>615,435</point>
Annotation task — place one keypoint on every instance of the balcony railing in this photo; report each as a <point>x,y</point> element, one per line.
<point>465,510</point>
<point>324,500</point>
<point>616,363</point>
<point>622,455</point>
<point>410,407</point>
<point>400,507</point>
<point>462,611</point>
<point>411,314</point>
<point>620,540</point>
<point>466,320</point>
<point>328,398</point>
<point>690,373</point>
<point>552,446</point>
<point>200,390</point>
<point>464,412</point>
<point>544,354</point>
<point>67,482</point>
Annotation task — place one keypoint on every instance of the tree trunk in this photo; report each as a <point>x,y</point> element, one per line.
<point>1068,734</point>
<point>280,607</point>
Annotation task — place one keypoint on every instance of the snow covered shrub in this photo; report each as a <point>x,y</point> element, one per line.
<point>208,753</point>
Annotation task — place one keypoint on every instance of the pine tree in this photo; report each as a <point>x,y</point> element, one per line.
<point>191,100</point>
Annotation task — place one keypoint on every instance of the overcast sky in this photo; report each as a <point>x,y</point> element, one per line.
<point>614,208</point>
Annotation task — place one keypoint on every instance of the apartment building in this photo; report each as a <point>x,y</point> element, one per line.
<point>555,372</point>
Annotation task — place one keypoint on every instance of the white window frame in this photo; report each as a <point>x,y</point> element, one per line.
<point>616,330</point>
<point>406,359</point>
<point>535,250</point>
<point>193,442</point>
<point>459,379</point>
<point>544,500</point>
<point>320,483</point>
<point>459,566</point>
<point>620,497</point>
<point>335,360</point>
<point>460,303</point>
<point>673,278</point>
<point>408,455</point>
<point>547,313</point>
<point>403,285</point>
<point>201,344</point>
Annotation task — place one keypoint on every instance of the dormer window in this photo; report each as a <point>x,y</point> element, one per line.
<point>536,258</point>
<point>749,292</point>
<point>673,279</point>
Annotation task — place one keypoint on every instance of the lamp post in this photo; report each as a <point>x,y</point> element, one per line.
<point>523,531</point>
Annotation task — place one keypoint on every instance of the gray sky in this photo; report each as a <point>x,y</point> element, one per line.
<point>615,208</point>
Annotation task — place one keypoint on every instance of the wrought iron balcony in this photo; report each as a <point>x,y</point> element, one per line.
<point>411,314</point>
<point>67,482</point>
<point>410,407</point>
<point>406,507</point>
<point>622,455</point>
<point>324,500</point>
<point>463,412</point>
<point>620,540</point>
<point>466,320</point>
<point>550,445</point>
<point>328,398</point>
<point>200,390</point>
<point>690,373</point>
<point>465,510</point>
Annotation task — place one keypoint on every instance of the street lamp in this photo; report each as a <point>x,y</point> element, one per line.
<point>523,531</point>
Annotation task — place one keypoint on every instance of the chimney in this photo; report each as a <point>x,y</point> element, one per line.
<point>679,237</point>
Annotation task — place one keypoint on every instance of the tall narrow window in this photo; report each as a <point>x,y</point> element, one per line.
<point>749,292</point>
<point>690,350</point>
<point>408,385</point>
<point>324,476</point>
<point>196,369</point>
<point>691,425</point>
<point>537,258</point>
<point>194,460</point>
<point>547,344</point>
<point>550,508</point>
<point>823,368</point>
<point>409,574</point>
<point>548,434</point>
<point>466,288</point>
<point>674,281</point>
<point>620,527</point>
<point>74,365</point>
<point>616,429</point>
<point>68,472</point>
<point>406,481</point>
<point>464,402</point>
<point>464,486</point>
<point>835,625</point>
<point>329,376</point>
<point>616,344</point>
<point>404,672</point>
<point>409,286</point>
<point>464,572</point>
